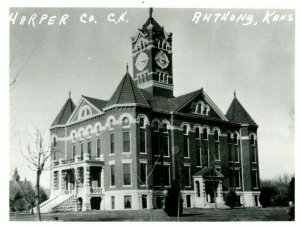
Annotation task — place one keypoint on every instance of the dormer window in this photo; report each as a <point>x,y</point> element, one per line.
<point>89,132</point>
<point>73,136</point>
<point>85,112</point>
<point>111,123</point>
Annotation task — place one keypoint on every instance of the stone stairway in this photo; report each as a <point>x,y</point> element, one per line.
<point>212,205</point>
<point>51,204</point>
<point>67,205</point>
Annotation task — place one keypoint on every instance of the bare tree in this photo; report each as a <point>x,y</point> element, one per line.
<point>37,156</point>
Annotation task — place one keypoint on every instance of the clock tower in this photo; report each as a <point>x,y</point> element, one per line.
<point>152,59</point>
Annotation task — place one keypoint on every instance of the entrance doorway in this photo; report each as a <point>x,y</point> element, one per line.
<point>211,190</point>
<point>188,200</point>
<point>95,203</point>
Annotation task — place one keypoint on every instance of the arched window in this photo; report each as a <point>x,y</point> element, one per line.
<point>89,132</point>
<point>185,141</point>
<point>155,126</point>
<point>165,128</point>
<point>197,133</point>
<point>235,138</point>
<point>198,147</point>
<point>185,130</point>
<point>165,142</point>
<point>111,123</point>
<point>73,136</point>
<point>217,145</point>
<point>216,136</point>
<point>54,142</point>
<point>81,134</point>
<point>88,112</point>
<point>125,121</point>
<point>252,140</point>
<point>98,129</point>
<point>228,137</point>
<point>142,122</point>
<point>205,134</point>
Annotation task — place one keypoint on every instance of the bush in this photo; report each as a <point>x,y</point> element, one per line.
<point>171,200</point>
<point>266,196</point>
<point>231,199</point>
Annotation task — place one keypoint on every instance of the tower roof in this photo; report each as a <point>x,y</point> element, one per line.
<point>127,92</point>
<point>64,113</point>
<point>238,114</point>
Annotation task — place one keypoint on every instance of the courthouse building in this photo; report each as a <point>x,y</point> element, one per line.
<point>125,152</point>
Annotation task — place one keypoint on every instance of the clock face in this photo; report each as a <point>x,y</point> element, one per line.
<point>162,59</point>
<point>141,61</point>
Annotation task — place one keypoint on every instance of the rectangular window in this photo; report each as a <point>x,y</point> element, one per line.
<point>230,156</point>
<point>238,178</point>
<point>157,175</point>
<point>142,141</point>
<point>205,157</point>
<point>166,145</point>
<point>167,176</point>
<point>236,154</point>
<point>155,145</point>
<point>186,146</point>
<point>73,152</point>
<point>127,201</point>
<point>217,151</point>
<point>144,201</point>
<point>198,153</point>
<point>112,175</point>
<point>254,179</point>
<point>127,173</point>
<point>144,173</point>
<point>81,150</point>
<point>187,176</point>
<point>126,142</point>
<point>112,143</point>
<point>112,202</point>
<point>89,147</point>
<point>98,148</point>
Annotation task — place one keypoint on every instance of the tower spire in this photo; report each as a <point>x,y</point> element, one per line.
<point>69,94</point>
<point>234,94</point>
<point>127,67</point>
<point>150,12</point>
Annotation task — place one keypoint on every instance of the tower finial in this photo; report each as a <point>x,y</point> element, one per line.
<point>234,94</point>
<point>127,67</point>
<point>150,12</point>
<point>69,94</point>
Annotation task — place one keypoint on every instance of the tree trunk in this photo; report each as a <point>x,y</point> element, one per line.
<point>37,201</point>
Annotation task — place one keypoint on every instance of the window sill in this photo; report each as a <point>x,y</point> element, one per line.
<point>198,166</point>
<point>127,186</point>
<point>187,157</point>
<point>114,186</point>
<point>111,154</point>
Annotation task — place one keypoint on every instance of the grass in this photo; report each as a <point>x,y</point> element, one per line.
<point>189,215</point>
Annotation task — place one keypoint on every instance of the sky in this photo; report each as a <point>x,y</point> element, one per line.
<point>255,60</point>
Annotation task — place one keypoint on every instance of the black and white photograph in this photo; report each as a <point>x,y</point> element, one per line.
<point>151,114</point>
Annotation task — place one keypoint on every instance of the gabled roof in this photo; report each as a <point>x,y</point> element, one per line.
<point>177,102</point>
<point>238,114</point>
<point>127,92</point>
<point>64,113</point>
<point>99,103</point>
<point>208,171</point>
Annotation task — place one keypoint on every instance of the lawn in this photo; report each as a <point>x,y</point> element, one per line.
<point>189,215</point>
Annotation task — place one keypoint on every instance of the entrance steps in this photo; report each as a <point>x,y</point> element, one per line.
<point>57,203</point>
<point>212,205</point>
